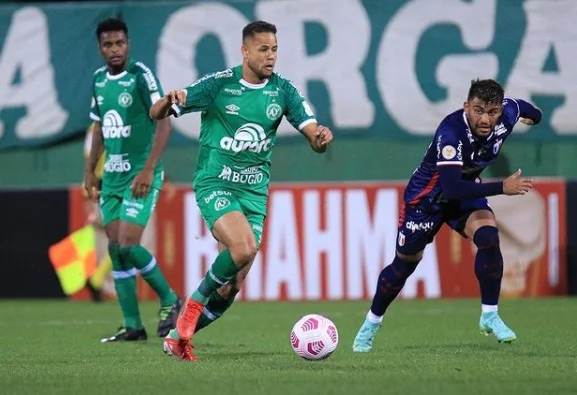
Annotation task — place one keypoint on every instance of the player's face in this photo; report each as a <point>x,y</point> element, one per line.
<point>482,116</point>
<point>114,48</point>
<point>259,53</point>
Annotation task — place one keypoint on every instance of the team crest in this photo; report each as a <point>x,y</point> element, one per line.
<point>221,203</point>
<point>273,111</point>
<point>401,240</point>
<point>125,99</point>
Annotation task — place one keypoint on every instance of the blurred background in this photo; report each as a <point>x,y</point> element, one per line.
<point>381,74</point>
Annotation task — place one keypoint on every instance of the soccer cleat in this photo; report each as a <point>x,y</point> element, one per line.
<point>126,335</point>
<point>188,318</point>
<point>181,349</point>
<point>492,323</point>
<point>364,340</point>
<point>167,318</point>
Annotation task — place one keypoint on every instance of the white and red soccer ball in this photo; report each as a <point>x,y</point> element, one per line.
<point>314,337</point>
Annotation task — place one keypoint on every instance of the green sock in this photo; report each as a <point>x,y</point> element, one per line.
<point>146,264</point>
<point>214,309</point>
<point>222,270</point>
<point>125,284</point>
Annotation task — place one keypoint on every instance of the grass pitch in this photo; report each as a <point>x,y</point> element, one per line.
<point>424,347</point>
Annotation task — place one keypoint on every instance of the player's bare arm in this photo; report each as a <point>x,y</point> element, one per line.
<point>143,180</point>
<point>319,136</point>
<point>90,179</point>
<point>163,107</point>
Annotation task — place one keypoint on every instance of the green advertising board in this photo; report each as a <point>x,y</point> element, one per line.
<point>391,69</point>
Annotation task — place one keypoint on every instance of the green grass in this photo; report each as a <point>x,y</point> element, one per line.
<point>424,347</point>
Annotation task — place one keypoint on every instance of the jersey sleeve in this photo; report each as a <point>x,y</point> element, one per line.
<point>298,111</point>
<point>94,110</point>
<point>449,146</point>
<point>513,109</point>
<point>200,95</point>
<point>148,86</point>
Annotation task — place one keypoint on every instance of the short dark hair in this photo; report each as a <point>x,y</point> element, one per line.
<point>257,27</point>
<point>489,91</point>
<point>111,25</point>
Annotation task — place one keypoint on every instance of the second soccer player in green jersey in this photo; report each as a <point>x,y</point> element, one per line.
<point>242,108</point>
<point>123,93</point>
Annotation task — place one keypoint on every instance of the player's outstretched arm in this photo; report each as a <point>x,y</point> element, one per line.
<point>163,107</point>
<point>319,136</point>
<point>528,113</point>
<point>455,188</point>
<point>96,149</point>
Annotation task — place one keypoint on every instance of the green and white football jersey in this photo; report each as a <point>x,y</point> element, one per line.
<point>238,128</point>
<point>121,104</point>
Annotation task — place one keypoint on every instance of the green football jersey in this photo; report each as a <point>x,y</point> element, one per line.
<point>121,104</point>
<point>238,127</point>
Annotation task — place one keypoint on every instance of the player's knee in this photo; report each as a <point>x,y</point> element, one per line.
<point>244,251</point>
<point>486,237</point>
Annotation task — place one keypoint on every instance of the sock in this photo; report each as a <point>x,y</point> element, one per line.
<point>222,270</point>
<point>391,281</point>
<point>487,308</point>
<point>374,319</point>
<point>105,267</point>
<point>146,264</point>
<point>488,264</point>
<point>214,309</point>
<point>125,284</point>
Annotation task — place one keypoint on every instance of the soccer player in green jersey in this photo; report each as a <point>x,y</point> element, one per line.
<point>242,108</point>
<point>123,92</point>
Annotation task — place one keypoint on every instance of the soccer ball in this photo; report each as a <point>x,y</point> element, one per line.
<point>314,337</point>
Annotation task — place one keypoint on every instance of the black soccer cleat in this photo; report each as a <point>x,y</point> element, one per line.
<point>167,318</point>
<point>126,335</point>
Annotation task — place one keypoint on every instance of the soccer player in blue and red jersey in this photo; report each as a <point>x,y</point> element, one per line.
<point>446,188</point>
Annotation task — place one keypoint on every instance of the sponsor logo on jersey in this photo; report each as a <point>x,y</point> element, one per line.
<point>113,126</point>
<point>235,92</point>
<point>223,74</point>
<point>500,129</point>
<point>125,99</point>
<point>273,111</point>
<point>126,83</point>
<point>100,100</point>
<point>232,109</point>
<point>117,164</point>
<point>271,93</point>
<point>249,137</point>
<point>100,84</point>
<point>250,176</point>
<point>216,193</point>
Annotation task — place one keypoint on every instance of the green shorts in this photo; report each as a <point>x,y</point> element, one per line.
<point>125,207</point>
<point>214,203</point>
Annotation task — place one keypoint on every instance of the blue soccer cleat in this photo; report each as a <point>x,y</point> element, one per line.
<point>492,323</point>
<point>364,340</point>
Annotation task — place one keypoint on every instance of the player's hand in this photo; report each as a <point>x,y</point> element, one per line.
<point>526,121</point>
<point>515,185</point>
<point>91,186</point>
<point>141,183</point>
<point>322,139</point>
<point>176,96</point>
